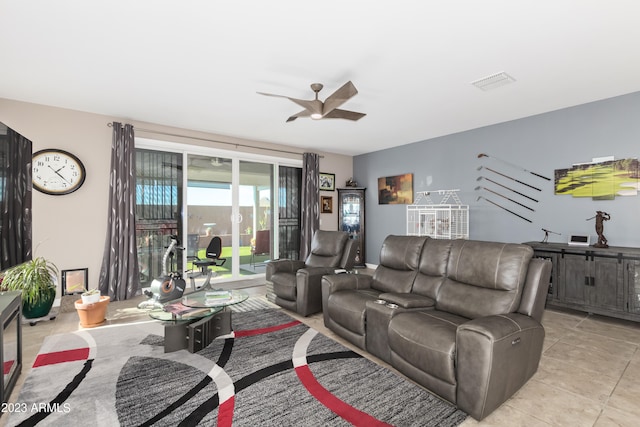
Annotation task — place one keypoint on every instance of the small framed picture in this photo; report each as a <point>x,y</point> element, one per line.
<point>326,204</point>
<point>327,181</point>
<point>75,281</point>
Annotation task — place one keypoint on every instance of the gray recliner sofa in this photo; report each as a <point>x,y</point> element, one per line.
<point>462,317</point>
<point>296,283</point>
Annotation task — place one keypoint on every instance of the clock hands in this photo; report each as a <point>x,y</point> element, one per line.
<point>57,172</point>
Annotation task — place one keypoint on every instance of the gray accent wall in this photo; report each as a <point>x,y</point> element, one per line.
<point>541,144</point>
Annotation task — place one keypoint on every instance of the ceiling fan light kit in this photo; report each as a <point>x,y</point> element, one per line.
<point>317,110</point>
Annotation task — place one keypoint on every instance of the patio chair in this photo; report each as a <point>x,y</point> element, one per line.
<point>262,245</point>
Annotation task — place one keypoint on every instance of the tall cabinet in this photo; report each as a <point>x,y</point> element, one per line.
<point>351,218</point>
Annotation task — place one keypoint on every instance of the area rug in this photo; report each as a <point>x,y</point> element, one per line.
<point>272,370</point>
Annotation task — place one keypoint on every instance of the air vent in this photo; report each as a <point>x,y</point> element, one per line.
<point>493,81</point>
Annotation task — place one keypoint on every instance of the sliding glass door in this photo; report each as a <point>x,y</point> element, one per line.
<point>256,220</point>
<point>215,194</point>
<point>158,210</point>
<point>209,209</point>
<point>289,187</point>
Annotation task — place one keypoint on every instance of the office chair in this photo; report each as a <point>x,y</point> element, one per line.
<point>212,253</point>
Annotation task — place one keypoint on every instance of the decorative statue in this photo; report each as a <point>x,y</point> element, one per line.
<point>546,235</point>
<point>601,217</point>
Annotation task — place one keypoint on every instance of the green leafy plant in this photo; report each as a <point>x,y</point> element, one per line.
<point>35,278</point>
<point>90,292</point>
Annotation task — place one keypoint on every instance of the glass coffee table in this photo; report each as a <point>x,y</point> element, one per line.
<point>196,319</point>
<point>214,298</point>
<point>189,314</point>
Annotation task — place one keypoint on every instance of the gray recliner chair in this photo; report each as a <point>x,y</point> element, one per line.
<point>297,284</point>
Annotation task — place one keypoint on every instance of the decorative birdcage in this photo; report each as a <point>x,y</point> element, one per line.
<point>444,220</point>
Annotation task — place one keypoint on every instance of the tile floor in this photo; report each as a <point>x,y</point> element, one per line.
<point>589,374</point>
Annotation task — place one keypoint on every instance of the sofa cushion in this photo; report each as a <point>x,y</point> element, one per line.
<point>484,278</point>
<point>347,308</point>
<point>427,340</point>
<point>399,258</point>
<point>432,268</point>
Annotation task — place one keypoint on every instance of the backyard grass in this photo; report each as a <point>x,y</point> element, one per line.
<point>225,270</point>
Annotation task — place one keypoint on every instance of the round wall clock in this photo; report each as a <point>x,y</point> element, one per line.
<point>57,172</point>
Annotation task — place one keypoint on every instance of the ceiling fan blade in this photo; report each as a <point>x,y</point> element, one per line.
<point>339,97</point>
<point>314,106</point>
<point>303,113</point>
<point>344,114</point>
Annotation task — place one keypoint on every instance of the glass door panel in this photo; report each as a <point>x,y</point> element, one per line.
<point>209,211</point>
<point>289,185</point>
<point>255,205</point>
<point>158,210</point>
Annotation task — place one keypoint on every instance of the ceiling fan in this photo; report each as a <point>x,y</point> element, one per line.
<point>328,109</point>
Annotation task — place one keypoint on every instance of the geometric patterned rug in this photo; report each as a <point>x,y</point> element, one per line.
<point>271,370</point>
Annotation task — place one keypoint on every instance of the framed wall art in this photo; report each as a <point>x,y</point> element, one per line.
<point>75,281</point>
<point>326,204</point>
<point>327,181</point>
<point>395,190</point>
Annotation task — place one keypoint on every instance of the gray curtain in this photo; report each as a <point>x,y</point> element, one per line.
<point>310,215</point>
<point>119,275</point>
<point>15,195</point>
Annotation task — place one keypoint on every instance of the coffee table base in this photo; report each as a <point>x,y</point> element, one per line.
<point>196,335</point>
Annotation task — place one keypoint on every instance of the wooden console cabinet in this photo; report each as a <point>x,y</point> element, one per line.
<point>603,281</point>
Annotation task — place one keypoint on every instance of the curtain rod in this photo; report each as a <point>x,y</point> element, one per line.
<point>236,145</point>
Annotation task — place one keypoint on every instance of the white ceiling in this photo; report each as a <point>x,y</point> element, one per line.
<point>198,64</point>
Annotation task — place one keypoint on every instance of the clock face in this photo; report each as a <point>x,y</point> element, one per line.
<point>57,172</point>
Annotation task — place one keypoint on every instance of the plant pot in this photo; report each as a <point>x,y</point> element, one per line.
<point>90,299</point>
<point>41,308</point>
<point>93,314</point>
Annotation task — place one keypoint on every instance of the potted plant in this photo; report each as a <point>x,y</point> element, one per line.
<point>90,296</point>
<point>35,278</point>
<point>92,308</point>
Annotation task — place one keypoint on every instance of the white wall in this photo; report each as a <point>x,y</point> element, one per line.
<point>70,230</point>
<point>342,167</point>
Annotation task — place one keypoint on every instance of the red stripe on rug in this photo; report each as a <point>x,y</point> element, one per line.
<point>61,357</point>
<point>7,366</point>
<point>339,407</point>
<point>225,412</point>
<point>251,332</point>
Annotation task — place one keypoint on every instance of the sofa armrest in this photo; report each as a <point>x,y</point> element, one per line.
<point>309,289</point>
<point>495,356</point>
<point>534,295</point>
<point>283,266</point>
<point>338,282</point>
<point>408,300</point>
